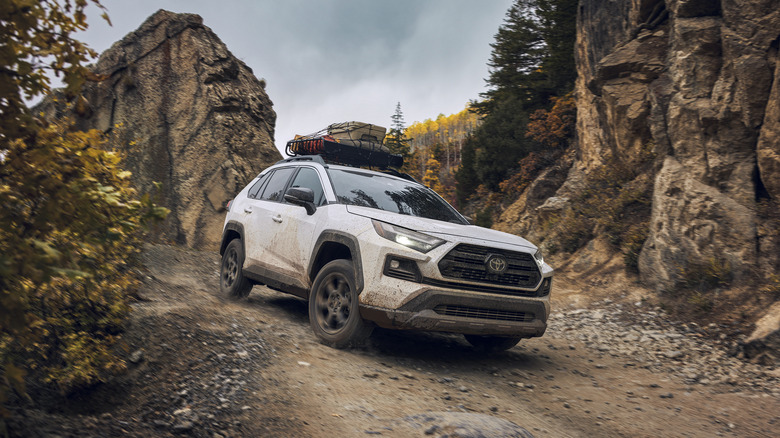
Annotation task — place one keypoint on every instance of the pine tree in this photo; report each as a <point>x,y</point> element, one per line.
<point>466,176</point>
<point>396,139</point>
<point>532,60</point>
<point>514,62</point>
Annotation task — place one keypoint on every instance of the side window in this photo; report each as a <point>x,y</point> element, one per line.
<point>307,178</point>
<point>274,190</point>
<point>255,189</point>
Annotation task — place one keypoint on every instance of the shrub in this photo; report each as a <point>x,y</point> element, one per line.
<point>772,287</point>
<point>707,275</point>
<point>616,202</point>
<point>69,229</point>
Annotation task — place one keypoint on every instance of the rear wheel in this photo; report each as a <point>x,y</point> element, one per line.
<point>231,279</point>
<point>492,343</point>
<point>334,314</point>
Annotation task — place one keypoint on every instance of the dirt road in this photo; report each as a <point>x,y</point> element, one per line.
<point>202,365</point>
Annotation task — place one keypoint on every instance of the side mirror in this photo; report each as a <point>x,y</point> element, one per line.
<point>301,196</point>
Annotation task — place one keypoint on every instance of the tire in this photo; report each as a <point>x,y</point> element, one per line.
<point>334,314</point>
<point>231,279</point>
<point>492,344</point>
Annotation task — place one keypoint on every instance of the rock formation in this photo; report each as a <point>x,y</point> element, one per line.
<point>697,82</point>
<point>187,114</point>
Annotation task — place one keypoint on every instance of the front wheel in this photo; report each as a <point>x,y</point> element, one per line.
<point>492,344</point>
<point>231,279</point>
<point>334,314</point>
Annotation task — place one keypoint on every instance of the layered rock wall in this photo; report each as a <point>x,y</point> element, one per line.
<point>188,114</point>
<point>698,82</point>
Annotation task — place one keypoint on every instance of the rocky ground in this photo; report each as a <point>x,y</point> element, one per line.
<point>201,365</point>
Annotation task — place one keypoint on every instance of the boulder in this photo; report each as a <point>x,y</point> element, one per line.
<point>693,222</point>
<point>763,345</point>
<point>185,112</point>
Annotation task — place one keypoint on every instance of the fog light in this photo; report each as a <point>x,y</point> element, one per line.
<point>403,269</point>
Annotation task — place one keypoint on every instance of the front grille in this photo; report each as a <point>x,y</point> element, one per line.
<point>468,262</point>
<point>478,287</point>
<point>491,314</point>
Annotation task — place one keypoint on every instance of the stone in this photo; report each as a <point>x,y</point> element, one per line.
<point>465,425</point>
<point>183,427</point>
<point>136,357</point>
<point>186,113</point>
<point>763,344</point>
<point>693,221</point>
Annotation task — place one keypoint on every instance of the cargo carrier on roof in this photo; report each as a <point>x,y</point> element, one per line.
<point>350,143</point>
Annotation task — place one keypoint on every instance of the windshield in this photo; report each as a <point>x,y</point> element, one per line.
<point>391,194</point>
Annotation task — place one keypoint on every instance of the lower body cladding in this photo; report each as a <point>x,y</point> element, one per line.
<point>466,313</point>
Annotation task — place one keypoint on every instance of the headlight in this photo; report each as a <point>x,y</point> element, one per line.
<point>408,238</point>
<point>538,256</point>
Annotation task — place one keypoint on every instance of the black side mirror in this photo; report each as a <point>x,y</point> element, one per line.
<point>301,196</point>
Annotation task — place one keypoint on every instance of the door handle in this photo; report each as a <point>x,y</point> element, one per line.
<point>248,209</point>
<point>277,218</point>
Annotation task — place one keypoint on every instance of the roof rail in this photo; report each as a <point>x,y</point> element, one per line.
<point>315,158</point>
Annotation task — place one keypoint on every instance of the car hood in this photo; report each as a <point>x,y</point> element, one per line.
<point>443,230</point>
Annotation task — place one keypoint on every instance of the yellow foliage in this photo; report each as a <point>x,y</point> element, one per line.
<point>443,137</point>
<point>431,178</point>
<point>69,229</point>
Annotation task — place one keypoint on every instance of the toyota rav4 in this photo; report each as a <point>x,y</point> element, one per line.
<point>369,248</point>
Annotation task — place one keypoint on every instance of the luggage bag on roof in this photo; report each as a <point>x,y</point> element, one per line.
<point>357,131</point>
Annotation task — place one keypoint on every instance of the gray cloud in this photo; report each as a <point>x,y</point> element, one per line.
<point>335,60</point>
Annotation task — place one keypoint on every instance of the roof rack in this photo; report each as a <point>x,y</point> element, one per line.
<point>357,153</point>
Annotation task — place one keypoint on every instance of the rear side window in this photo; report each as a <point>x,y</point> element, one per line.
<point>274,190</point>
<point>255,189</point>
<point>308,178</point>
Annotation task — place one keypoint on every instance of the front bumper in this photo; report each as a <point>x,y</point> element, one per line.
<point>463,312</point>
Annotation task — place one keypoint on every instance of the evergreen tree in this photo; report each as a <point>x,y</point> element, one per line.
<point>466,176</point>
<point>558,19</point>
<point>396,139</point>
<point>532,60</point>
<point>514,62</point>
<point>397,119</point>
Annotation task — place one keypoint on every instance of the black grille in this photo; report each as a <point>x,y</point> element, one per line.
<point>491,314</point>
<point>468,262</point>
<point>478,287</point>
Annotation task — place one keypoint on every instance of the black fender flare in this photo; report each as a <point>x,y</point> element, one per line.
<point>230,227</point>
<point>345,239</point>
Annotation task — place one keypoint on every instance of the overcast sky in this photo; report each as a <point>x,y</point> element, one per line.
<point>329,61</point>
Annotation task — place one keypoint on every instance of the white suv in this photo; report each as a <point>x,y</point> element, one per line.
<point>370,248</point>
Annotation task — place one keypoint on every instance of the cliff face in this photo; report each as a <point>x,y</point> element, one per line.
<point>695,85</point>
<point>188,114</point>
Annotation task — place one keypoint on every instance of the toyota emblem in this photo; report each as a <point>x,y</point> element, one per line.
<point>496,264</point>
